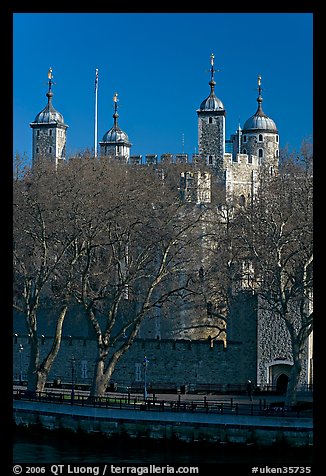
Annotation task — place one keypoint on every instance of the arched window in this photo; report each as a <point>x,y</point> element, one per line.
<point>50,150</point>
<point>244,151</point>
<point>50,132</point>
<point>37,150</point>
<point>276,138</point>
<point>260,153</point>
<point>242,201</point>
<point>210,160</point>
<point>249,159</point>
<point>276,153</point>
<point>260,138</point>
<point>244,138</point>
<point>210,120</point>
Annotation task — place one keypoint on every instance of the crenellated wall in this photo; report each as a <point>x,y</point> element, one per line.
<point>177,362</point>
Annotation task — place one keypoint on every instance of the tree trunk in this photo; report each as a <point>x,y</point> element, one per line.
<point>41,378</point>
<point>291,393</point>
<point>101,378</point>
<point>38,373</point>
<point>33,362</point>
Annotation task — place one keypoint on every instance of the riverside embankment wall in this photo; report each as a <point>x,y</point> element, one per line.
<point>189,427</point>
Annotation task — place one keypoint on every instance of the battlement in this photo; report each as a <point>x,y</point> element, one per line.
<point>181,361</point>
<point>241,159</point>
<point>167,158</point>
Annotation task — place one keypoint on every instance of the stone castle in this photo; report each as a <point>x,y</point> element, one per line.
<point>257,349</point>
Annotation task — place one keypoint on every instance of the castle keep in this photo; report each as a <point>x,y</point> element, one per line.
<point>256,347</point>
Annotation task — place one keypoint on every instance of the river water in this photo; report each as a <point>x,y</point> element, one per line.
<point>63,449</point>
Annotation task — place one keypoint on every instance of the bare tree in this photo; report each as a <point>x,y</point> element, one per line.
<point>40,248</point>
<point>134,251</point>
<point>277,239</point>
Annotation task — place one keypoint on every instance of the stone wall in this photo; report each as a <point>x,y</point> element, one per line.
<point>274,348</point>
<point>175,362</point>
<point>187,427</point>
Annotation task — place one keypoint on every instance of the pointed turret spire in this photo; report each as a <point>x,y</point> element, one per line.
<point>49,94</point>
<point>260,98</point>
<point>115,114</point>
<point>212,83</point>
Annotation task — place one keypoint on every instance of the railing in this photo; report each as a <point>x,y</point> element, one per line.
<point>136,402</point>
<point>173,388</point>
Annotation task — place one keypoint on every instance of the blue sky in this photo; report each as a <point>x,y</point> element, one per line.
<point>158,63</point>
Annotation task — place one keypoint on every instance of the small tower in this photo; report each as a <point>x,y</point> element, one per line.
<point>115,142</point>
<point>211,128</point>
<point>49,131</point>
<point>260,137</point>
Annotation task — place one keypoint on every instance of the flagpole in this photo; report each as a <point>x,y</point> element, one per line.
<point>95,131</point>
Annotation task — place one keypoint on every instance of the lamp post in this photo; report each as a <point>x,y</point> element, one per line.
<point>145,363</point>
<point>73,361</point>
<point>21,348</point>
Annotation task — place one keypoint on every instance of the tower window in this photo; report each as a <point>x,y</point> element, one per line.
<point>249,159</point>
<point>50,132</point>
<point>244,151</point>
<point>37,150</point>
<point>242,201</point>
<point>260,153</point>
<point>244,138</point>
<point>210,160</point>
<point>38,133</point>
<point>276,138</point>
<point>260,138</point>
<point>276,153</point>
<point>210,120</point>
<point>50,150</point>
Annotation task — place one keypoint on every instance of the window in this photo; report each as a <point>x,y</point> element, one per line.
<point>276,138</point>
<point>50,150</point>
<point>276,153</point>
<point>244,151</point>
<point>210,120</point>
<point>210,160</point>
<point>38,133</point>
<point>138,372</point>
<point>158,324</point>
<point>248,275</point>
<point>84,368</point>
<point>260,153</point>
<point>249,159</point>
<point>260,138</point>
<point>242,201</point>
<point>244,138</point>
<point>50,132</point>
<point>37,150</point>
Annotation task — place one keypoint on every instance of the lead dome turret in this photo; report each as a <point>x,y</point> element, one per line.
<point>115,141</point>
<point>49,131</point>
<point>259,121</point>
<point>259,137</point>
